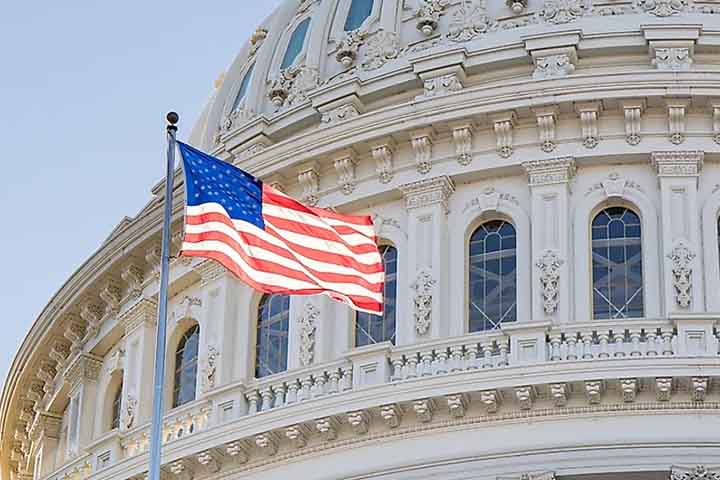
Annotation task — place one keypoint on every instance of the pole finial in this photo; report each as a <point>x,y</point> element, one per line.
<point>172,118</point>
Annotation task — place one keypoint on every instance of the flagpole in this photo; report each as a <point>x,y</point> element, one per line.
<point>156,428</point>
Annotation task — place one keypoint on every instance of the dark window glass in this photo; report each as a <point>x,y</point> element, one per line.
<point>271,351</point>
<point>617,264</point>
<point>243,87</point>
<point>370,329</point>
<point>493,276</point>
<point>295,46</point>
<point>360,10</point>
<point>116,405</point>
<point>186,363</point>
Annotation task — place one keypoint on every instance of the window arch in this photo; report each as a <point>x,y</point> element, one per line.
<point>273,323</point>
<point>492,298</point>
<point>243,87</point>
<point>617,282</point>
<point>360,10</point>
<point>371,329</point>
<point>186,364</point>
<point>296,43</point>
<point>116,408</point>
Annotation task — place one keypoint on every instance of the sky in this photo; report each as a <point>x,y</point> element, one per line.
<point>84,89</point>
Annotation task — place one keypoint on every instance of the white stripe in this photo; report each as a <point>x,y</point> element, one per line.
<point>328,246</point>
<point>279,280</point>
<point>263,254</point>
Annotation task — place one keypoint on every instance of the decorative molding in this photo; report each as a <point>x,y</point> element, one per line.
<point>392,415</point>
<point>442,85</point>
<point>546,122</point>
<point>681,258</point>
<point>629,388</point>
<point>211,460</point>
<point>700,472</point>
<point>129,412</point>
<point>427,192</point>
<point>111,294</point>
<point>517,6</point>
<point>428,15</point>
<point>91,313</point>
<point>181,470</point>
<point>297,434</point>
<point>589,114</point>
<point>256,40</point>
<point>347,51</point>
<point>359,422</point>
<point>380,48</point>
<point>424,409</point>
<point>678,164</point>
<point>291,86</point>
<point>457,404</point>
<point>633,111</point>
<point>383,154</point>
<point>676,120</point>
<point>562,11</point>
<point>309,179</point>
<point>423,287</point>
<point>716,122</point>
<point>143,312</point>
<point>84,367</point>
<point>491,399</point>
<point>469,21</point>
<point>152,257</point>
<point>267,442</point>
<point>661,8</point>
<point>614,186</point>
<point>327,428</point>
<point>340,114</point>
<point>238,451</point>
<point>422,143</point>
<point>698,388</point>
<point>594,390</point>
<point>554,62</point>
<point>133,275</point>
<point>503,127</point>
<point>549,264</point>
<point>344,164</point>
<point>463,139</point>
<point>307,323</point>
<point>490,200</point>
<point>60,352</point>
<point>672,58</point>
<point>209,373</point>
<point>663,388</point>
<point>559,392</point>
<point>550,172</point>
<point>525,396</point>
<point>75,332</point>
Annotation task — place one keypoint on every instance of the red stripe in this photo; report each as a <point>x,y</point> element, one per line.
<point>358,300</point>
<point>312,253</point>
<point>270,195</point>
<point>274,267</point>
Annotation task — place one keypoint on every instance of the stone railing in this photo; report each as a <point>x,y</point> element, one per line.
<point>488,350</point>
<point>79,468</point>
<point>298,386</point>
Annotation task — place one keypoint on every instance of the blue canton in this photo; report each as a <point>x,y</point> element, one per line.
<point>209,179</point>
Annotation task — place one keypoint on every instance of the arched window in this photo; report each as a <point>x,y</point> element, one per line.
<point>370,329</point>
<point>617,264</point>
<point>493,276</point>
<point>243,87</point>
<point>116,405</point>
<point>271,348</point>
<point>186,363</point>
<point>295,46</point>
<point>360,10</point>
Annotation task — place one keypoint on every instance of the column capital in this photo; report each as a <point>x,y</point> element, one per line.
<point>551,171</point>
<point>209,271</point>
<point>687,163</point>
<point>45,425</point>
<point>424,193</point>
<point>142,312</point>
<point>84,367</point>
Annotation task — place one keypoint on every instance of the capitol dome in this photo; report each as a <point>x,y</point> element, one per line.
<point>544,179</point>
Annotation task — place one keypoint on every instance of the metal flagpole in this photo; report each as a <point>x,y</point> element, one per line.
<point>156,429</point>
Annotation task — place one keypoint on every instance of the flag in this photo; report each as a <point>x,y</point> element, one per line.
<point>274,243</point>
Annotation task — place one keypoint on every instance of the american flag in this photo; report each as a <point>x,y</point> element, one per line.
<point>274,243</point>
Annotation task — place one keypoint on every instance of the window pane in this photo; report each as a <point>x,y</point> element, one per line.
<point>295,46</point>
<point>617,264</point>
<point>243,87</point>
<point>492,292</point>
<point>271,349</point>
<point>186,359</point>
<point>359,11</point>
<point>371,329</point>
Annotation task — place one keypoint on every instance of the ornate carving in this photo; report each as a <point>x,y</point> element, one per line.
<point>256,40</point>
<point>491,400</point>
<point>553,66</point>
<point>152,257</point>
<point>676,121</point>
<point>614,186</point>
<point>549,264</point>
<point>297,434</point>
<point>310,182</point>
<point>308,324</point>
<point>463,138</point>
<point>392,415</point>
<point>663,388</point>
<point>129,412</point>
<point>716,123</point>
<point>562,11</point>
<point>559,392</point>
<point>629,389</point>
<point>424,409</point>
<point>92,314</point>
<point>327,428</point>
<point>237,451</point>
<point>84,367</point>
<point>517,6</point>
<point>422,146</point>
<point>633,113</point>
<point>428,15</point>
<point>682,260</point>
<point>181,470</point>
<point>345,168</point>
<point>469,21</point>
<point>267,442</point>
<point>503,127</point>
<point>60,352</point>
<point>593,391</point>
<point>699,388</point>
<point>422,301</point>
<point>661,8</point>
<point>349,46</point>
<point>210,460</point>
<point>340,114</point>
<point>238,114</point>
<point>548,172</point>
<point>381,47</point>
<point>111,294</point>
<point>383,155</point>
<point>75,332</point>
<point>133,276</point>
<point>678,164</point>
<point>210,370</point>
<point>359,422</point>
<point>524,396</point>
<point>546,120</point>
<point>443,85</point>
<point>675,58</point>
<point>428,192</point>
<point>489,200</point>
<point>292,85</point>
<point>589,114</point>
<point>697,473</point>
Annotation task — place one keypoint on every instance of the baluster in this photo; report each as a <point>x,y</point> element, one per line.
<point>279,392</point>
<point>635,341</point>
<point>320,382</point>
<point>252,398</point>
<point>651,343</point>
<point>456,353</point>
<point>412,370</point>
<point>487,354</point>
<point>267,399</point>
<point>347,379</point>
<point>667,336</point>
<point>603,339</point>
<point>555,340</point>
<point>619,343</point>
<point>442,357</point>
<point>292,392</point>
<point>471,356</point>
<point>397,373</point>
<point>334,386</point>
<point>571,341</point>
<point>426,361</point>
<point>504,349</point>
<point>305,391</point>
<point>587,345</point>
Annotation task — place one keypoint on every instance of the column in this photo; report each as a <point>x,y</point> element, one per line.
<point>549,182</point>
<point>426,202</point>
<point>82,375</point>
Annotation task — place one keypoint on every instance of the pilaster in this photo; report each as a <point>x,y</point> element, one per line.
<point>82,375</point>
<point>427,206</point>
<point>549,182</point>
<point>682,277</point>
